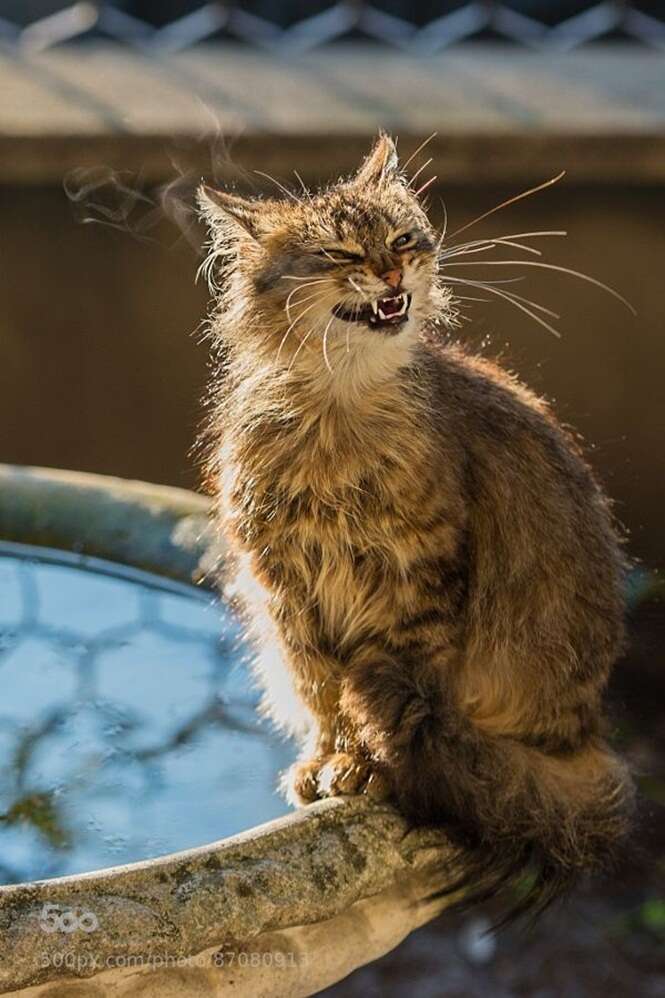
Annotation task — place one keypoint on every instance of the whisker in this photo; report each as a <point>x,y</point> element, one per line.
<point>504,204</point>
<point>484,245</point>
<point>325,344</point>
<point>469,298</point>
<point>300,346</point>
<point>354,285</point>
<point>445,226</point>
<point>305,189</point>
<point>293,277</point>
<point>294,291</point>
<point>420,170</point>
<point>507,240</point>
<point>466,250</point>
<point>534,304</point>
<point>547,266</point>
<point>302,301</point>
<point>279,185</point>
<point>419,149</point>
<point>295,321</point>
<point>509,298</point>
<point>427,184</point>
<point>320,298</point>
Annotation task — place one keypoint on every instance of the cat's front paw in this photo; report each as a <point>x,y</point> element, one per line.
<point>300,782</point>
<point>333,776</point>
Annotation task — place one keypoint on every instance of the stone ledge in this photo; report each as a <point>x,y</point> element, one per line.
<point>313,868</point>
<point>308,868</point>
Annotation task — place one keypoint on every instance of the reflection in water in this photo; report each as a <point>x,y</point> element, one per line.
<point>127,721</point>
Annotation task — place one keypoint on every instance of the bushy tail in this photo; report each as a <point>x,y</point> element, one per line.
<point>518,814</point>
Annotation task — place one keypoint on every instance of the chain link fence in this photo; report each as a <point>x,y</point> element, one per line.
<point>421,28</point>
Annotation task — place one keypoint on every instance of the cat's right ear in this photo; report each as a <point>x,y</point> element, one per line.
<point>220,208</point>
<point>381,165</point>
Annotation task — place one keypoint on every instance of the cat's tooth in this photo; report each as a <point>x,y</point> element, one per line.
<point>375,305</point>
<point>381,315</point>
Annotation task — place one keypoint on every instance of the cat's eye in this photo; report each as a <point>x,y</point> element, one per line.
<point>336,254</point>
<point>403,241</point>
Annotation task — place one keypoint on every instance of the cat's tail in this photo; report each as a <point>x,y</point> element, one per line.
<point>523,818</point>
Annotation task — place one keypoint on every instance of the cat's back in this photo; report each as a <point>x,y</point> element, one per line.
<point>533,499</point>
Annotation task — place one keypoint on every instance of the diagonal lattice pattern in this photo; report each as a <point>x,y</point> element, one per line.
<point>421,29</point>
<point>128,724</point>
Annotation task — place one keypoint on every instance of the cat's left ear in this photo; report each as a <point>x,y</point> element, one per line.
<point>381,164</point>
<point>220,207</point>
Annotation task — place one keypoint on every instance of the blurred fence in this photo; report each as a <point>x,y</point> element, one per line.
<point>422,28</point>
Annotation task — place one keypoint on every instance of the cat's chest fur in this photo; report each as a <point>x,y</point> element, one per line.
<point>329,510</point>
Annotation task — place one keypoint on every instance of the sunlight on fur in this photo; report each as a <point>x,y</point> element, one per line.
<point>432,574</point>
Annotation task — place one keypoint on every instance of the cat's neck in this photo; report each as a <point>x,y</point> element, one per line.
<point>356,370</point>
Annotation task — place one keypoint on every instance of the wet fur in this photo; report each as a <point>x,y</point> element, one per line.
<point>429,566</point>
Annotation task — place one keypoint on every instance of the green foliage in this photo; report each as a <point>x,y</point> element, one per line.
<point>652,916</point>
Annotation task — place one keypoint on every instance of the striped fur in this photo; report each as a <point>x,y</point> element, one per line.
<point>429,567</point>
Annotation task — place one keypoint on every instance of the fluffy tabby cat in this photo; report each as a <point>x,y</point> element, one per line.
<point>430,565</point>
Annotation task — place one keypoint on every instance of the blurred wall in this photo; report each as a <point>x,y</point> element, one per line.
<point>101,369</point>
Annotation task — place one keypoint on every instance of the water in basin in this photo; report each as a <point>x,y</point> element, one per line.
<point>127,718</point>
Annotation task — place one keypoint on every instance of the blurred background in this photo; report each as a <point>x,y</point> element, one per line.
<point>110,113</point>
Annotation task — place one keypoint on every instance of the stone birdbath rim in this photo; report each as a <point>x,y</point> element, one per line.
<point>287,907</point>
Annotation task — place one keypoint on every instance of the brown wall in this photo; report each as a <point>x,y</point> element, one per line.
<point>101,372</point>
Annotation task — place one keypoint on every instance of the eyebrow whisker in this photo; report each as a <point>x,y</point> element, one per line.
<point>420,170</point>
<point>509,201</point>
<point>419,149</point>
<point>279,185</point>
<point>427,184</point>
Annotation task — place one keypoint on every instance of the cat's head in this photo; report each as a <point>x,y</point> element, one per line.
<point>351,267</point>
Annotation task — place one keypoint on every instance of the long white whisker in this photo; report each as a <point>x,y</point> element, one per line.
<point>534,304</point>
<point>301,345</point>
<point>427,184</point>
<point>511,299</point>
<point>325,344</point>
<point>420,170</point>
<point>509,235</point>
<point>305,189</point>
<point>295,321</point>
<point>504,204</point>
<point>546,266</point>
<point>445,226</point>
<point>279,185</point>
<point>461,251</point>
<point>468,298</point>
<point>299,287</point>
<point>479,245</point>
<point>419,149</point>
<point>490,244</point>
<point>293,277</point>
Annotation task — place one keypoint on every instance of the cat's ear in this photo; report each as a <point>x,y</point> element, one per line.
<point>221,208</point>
<point>381,164</point>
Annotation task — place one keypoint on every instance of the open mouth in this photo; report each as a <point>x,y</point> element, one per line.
<point>382,313</point>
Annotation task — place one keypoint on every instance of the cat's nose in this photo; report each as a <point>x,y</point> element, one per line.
<point>392,277</point>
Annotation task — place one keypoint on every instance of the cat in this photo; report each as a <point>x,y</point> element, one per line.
<point>431,571</point>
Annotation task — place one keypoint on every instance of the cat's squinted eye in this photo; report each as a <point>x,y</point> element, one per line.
<point>339,255</point>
